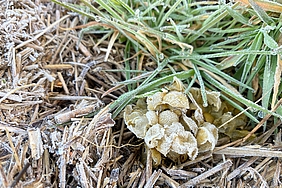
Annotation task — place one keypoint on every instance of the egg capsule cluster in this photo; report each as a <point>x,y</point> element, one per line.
<point>173,124</point>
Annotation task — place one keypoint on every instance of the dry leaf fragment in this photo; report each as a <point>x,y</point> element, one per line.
<point>141,104</point>
<point>234,128</point>
<point>174,99</point>
<point>196,97</point>
<point>198,115</point>
<point>208,117</point>
<point>232,125</point>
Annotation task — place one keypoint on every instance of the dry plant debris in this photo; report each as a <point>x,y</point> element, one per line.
<point>47,77</point>
<point>46,81</point>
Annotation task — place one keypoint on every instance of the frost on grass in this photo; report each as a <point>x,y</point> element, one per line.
<point>174,125</point>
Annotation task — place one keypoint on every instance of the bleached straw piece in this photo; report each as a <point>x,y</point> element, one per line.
<point>35,143</point>
<point>248,151</point>
<point>152,180</point>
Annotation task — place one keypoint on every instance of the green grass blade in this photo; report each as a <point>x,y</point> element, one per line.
<point>151,7</point>
<point>161,66</point>
<point>193,80</point>
<point>93,9</point>
<point>237,16</point>
<point>202,85</point>
<point>231,61</point>
<point>229,53</point>
<point>109,9</point>
<point>210,24</point>
<point>167,14</point>
<point>256,45</point>
<point>268,80</point>
<point>239,98</point>
<point>124,5</point>
<point>255,70</point>
<point>269,41</point>
<point>222,74</point>
<point>75,9</point>
<point>176,29</point>
<point>260,12</point>
<point>127,64</point>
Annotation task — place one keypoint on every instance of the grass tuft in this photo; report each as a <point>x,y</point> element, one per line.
<point>223,45</point>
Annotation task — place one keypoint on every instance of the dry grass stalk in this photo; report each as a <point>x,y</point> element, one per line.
<point>152,180</point>
<point>42,33</point>
<point>260,166</point>
<point>35,143</point>
<point>4,126</point>
<point>181,174</point>
<point>169,181</point>
<point>3,177</point>
<point>276,179</point>
<point>249,151</point>
<point>67,116</point>
<point>239,169</point>
<point>225,165</point>
<point>57,66</point>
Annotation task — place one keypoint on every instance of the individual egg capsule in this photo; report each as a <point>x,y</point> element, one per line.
<point>167,117</point>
